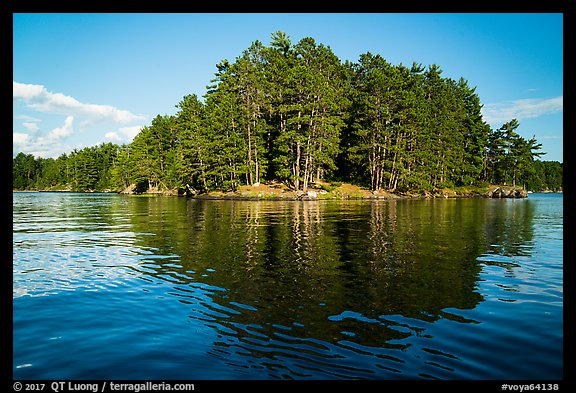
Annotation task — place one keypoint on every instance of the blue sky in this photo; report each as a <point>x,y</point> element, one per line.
<point>83,79</point>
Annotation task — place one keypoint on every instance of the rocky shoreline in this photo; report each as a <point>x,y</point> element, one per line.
<point>276,191</point>
<point>507,192</point>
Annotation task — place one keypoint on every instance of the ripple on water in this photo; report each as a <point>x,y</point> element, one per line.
<point>158,288</point>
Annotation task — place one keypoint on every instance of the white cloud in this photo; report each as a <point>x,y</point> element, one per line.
<point>38,98</point>
<point>26,91</point>
<point>113,137</point>
<point>78,117</point>
<point>28,118</point>
<point>20,139</point>
<point>498,113</point>
<point>49,145</point>
<point>60,132</point>
<point>130,132</point>
<point>30,126</point>
<point>30,123</point>
<point>123,134</point>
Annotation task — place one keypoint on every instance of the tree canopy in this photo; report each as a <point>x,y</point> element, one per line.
<point>295,113</point>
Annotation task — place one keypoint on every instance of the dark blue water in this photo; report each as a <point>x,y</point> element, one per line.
<point>118,287</point>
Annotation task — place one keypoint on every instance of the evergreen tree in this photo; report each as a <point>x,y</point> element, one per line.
<point>310,111</point>
<point>23,171</point>
<point>296,113</point>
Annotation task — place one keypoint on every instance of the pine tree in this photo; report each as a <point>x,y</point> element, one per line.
<point>295,113</point>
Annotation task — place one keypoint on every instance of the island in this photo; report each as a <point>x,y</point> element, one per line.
<point>292,120</point>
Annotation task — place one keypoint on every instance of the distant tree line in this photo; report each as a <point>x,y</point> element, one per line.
<point>295,113</point>
<point>89,169</point>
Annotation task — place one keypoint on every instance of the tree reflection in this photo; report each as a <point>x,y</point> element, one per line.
<point>332,270</point>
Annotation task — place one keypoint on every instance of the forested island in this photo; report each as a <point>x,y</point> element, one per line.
<point>293,116</point>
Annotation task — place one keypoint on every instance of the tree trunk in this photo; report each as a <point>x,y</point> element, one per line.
<point>306,165</point>
<point>393,170</point>
<point>373,169</point>
<point>298,155</point>
<point>249,144</point>
<point>297,168</point>
<point>257,169</point>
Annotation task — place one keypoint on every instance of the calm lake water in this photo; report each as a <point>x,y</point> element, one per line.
<point>121,287</point>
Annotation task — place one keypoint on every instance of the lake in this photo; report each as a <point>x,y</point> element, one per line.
<point>109,286</point>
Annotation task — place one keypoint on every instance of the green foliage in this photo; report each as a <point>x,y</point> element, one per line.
<point>510,158</point>
<point>294,112</point>
<point>89,169</point>
<point>24,168</point>
<point>546,176</point>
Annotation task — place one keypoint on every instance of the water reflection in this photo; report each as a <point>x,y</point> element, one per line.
<point>510,230</point>
<point>326,278</point>
<point>277,289</point>
<point>64,242</point>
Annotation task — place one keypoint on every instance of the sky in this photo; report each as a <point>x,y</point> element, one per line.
<point>81,79</point>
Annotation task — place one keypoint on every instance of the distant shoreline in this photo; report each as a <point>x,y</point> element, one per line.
<point>342,192</point>
<point>69,191</point>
